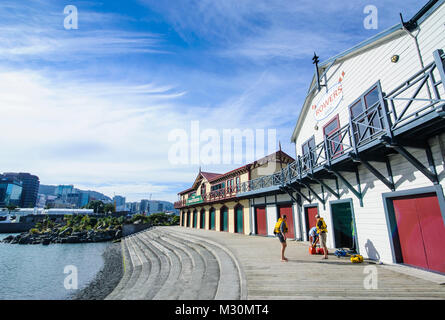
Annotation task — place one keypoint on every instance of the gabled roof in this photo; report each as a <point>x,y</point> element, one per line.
<point>210,175</point>
<point>214,177</point>
<point>412,24</point>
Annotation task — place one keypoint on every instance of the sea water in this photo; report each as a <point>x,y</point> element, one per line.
<point>31,272</point>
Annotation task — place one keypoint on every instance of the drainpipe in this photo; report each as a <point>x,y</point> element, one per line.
<point>414,37</point>
<point>416,44</point>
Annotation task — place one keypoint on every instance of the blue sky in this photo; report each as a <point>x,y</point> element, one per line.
<point>94,106</point>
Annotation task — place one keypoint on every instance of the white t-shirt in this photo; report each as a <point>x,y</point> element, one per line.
<point>313,232</point>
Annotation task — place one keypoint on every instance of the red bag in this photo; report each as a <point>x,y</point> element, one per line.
<point>321,251</point>
<point>312,250</point>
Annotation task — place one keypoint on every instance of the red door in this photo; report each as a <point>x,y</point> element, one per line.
<point>421,231</point>
<point>310,218</point>
<point>260,221</point>
<point>287,210</point>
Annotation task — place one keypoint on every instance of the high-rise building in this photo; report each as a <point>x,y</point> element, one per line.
<point>144,206</point>
<point>119,202</point>
<point>62,191</point>
<point>10,191</point>
<point>83,199</point>
<point>30,188</point>
<point>135,207</point>
<point>73,199</point>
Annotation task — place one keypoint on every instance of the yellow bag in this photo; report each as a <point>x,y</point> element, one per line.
<point>356,258</point>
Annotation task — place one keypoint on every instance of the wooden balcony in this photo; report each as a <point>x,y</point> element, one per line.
<point>404,117</point>
<point>211,197</point>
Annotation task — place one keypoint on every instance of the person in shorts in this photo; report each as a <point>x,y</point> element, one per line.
<point>313,236</point>
<point>322,234</point>
<point>282,237</point>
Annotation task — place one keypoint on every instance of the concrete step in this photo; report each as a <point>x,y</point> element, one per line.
<point>230,286</point>
<point>180,275</point>
<point>157,282</point>
<point>169,289</point>
<point>136,267</point>
<point>204,282</point>
<point>152,282</point>
<point>198,266</point>
<point>138,291</point>
<point>128,269</point>
<point>137,270</point>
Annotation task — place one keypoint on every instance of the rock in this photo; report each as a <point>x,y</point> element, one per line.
<point>46,241</point>
<point>72,239</point>
<point>8,239</point>
<point>66,232</point>
<point>118,234</point>
<point>24,240</point>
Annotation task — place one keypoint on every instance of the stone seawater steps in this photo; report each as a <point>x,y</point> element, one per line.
<point>128,270</point>
<point>206,276</point>
<point>198,269</point>
<point>186,263</point>
<point>164,264</point>
<point>231,282</point>
<point>204,280</point>
<point>169,289</point>
<point>153,280</point>
<point>156,283</point>
<point>181,276</point>
<point>138,290</point>
<point>136,269</point>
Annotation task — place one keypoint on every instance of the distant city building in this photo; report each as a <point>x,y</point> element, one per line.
<point>30,188</point>
<point>62,191</point>
<point>10,191</point>
<point>41,200</point>
<point>83,199</point>
<point>73,199</point>
<point>50,201</point>
<point>144,206</point>
<point>135,207</point>
<point>119,201</point>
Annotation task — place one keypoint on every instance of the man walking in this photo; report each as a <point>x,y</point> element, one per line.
<point>280,230</point>
<point>322,231</point>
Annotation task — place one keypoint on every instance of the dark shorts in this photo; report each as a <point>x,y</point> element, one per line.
<point>281,238</point>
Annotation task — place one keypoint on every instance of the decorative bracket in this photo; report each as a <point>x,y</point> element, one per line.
<point>373,170</point>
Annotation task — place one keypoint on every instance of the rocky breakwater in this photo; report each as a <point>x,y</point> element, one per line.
<point>76,229</point>
<point>66,236</point>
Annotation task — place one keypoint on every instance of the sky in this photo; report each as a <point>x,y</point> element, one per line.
<point>109,99</point>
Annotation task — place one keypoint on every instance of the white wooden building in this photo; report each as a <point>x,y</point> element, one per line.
<point>370,147</point>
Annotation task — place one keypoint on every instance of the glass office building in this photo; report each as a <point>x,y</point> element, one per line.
<point>10,191</point>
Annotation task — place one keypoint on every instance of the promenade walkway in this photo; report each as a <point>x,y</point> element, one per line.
<point>182,263</point>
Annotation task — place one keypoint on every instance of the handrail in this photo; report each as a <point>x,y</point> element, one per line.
<point>367,126</point>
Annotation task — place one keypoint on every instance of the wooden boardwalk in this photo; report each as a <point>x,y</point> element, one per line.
<point>181,263</point>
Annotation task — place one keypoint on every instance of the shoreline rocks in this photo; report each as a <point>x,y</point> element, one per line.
<point>65,236</point>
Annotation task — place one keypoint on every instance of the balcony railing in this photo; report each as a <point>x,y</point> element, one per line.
<point>420,95</point>
<point>212,196</point>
